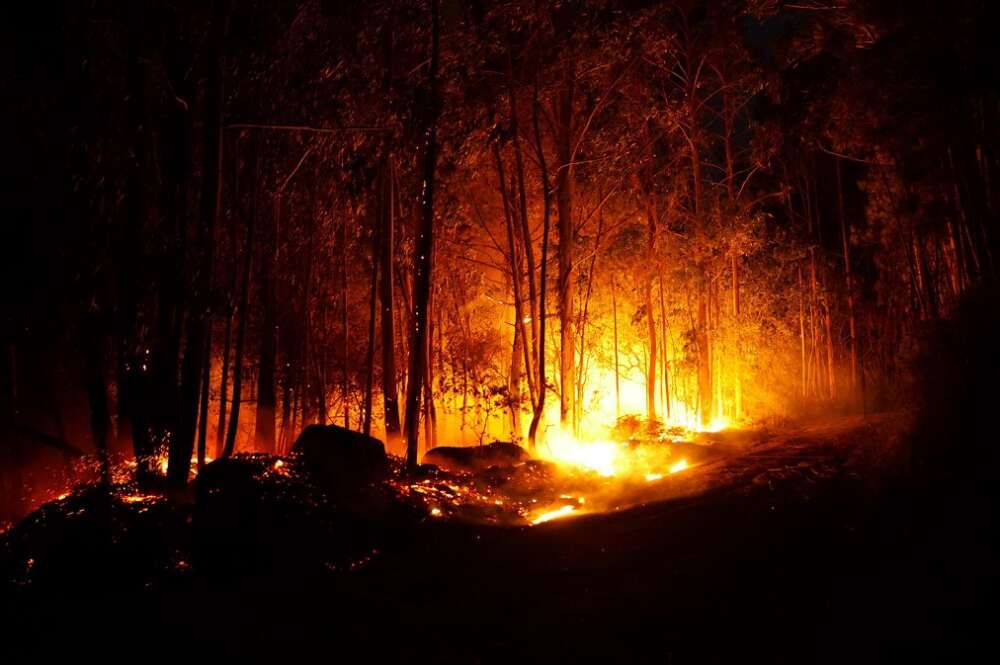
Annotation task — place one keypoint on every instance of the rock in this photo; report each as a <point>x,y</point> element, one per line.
<point>476,458</point>
<point>255,512</point>
<point>339,460</point>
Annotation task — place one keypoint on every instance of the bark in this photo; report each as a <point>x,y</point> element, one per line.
<point>430,413</point>
<point>666,368</point>
<point>423,252</point>
<point>701,330</point>
<point>234,413</point>
<point>830,375</point>
<point>650,318</point>
<point>529,251</point>
<point>539,406</point>
<point>614,316</point>
<point>567,243</point>
<point>848,284</point>
<point>389,386</point>
<point>97,397</point>
<point>263,436</point>
<point>372,312</point>
<point>514,384</point>
<point>345,387</point>
<point>132,426</point>
<point>194,380</point>
<point>802,333</point>
<point>206,378</point>
<point>515,265</point>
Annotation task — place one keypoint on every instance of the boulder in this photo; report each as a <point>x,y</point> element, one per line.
<point>477,458</point>
<point>339,460</point>
<point>252,514</point>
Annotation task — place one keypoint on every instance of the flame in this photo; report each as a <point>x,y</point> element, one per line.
<point>678,466</point>
<point>602,457</point>
<point>554,514</point>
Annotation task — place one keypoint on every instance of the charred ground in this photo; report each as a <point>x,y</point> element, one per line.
<point>799,544</point>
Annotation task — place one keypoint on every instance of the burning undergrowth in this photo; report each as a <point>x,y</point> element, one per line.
<point>257,512</point>
<point>570,478</point>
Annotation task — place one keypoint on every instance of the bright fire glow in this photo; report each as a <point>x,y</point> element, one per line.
<point>679,466</point>
<point>602,457</point>
<point>553,514</point>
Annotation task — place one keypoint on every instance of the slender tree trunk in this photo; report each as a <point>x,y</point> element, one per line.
<point>430,413</point>
<point>266,397</point>
<point>831,385</point>
<point>389,386</point>
<point>514,383</point>
<point>345,387</point>
<point>802,332</point>
<point>234,413</point>
<point>423,252</point>
<point>223,380</point>
<point>539,405</point>
<point>650,318</point>
<point>197,354</point>
<point>614,318</point>
<point>567,243</point>
<point>206,379</point>
<point>372,311</point>
<point>666,368</point>
<point>525,234</point>
<point>97,397</point>
<point>514,260</point>
<point>848,283</point>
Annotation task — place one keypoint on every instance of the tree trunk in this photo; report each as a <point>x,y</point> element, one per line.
<point>539,405</point>
<point>514,384</point>
<point>666,367</point>
<point>430,414</point>
<point>567,242</point>
<point>372,311</point>
<point>650,318</point>
<point>802,333</point>
<point>234,413</point>
<point>389,387</point>
<point>423,252</point>
<point>266,396</point>
<point>206,378</point>
<point>345,387</point>
<point>848,284</point>
<point>97,397</point>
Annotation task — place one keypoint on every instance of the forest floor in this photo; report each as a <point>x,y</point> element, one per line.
<point>800,545</point>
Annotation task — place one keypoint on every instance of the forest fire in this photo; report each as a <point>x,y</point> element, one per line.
<point>503,328</point>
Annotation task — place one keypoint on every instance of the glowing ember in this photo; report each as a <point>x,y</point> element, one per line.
<point>138,498</point>
<point>436,512</point>
<point>650,477</point>
<point>679,466</point>
<point>553,514</point>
